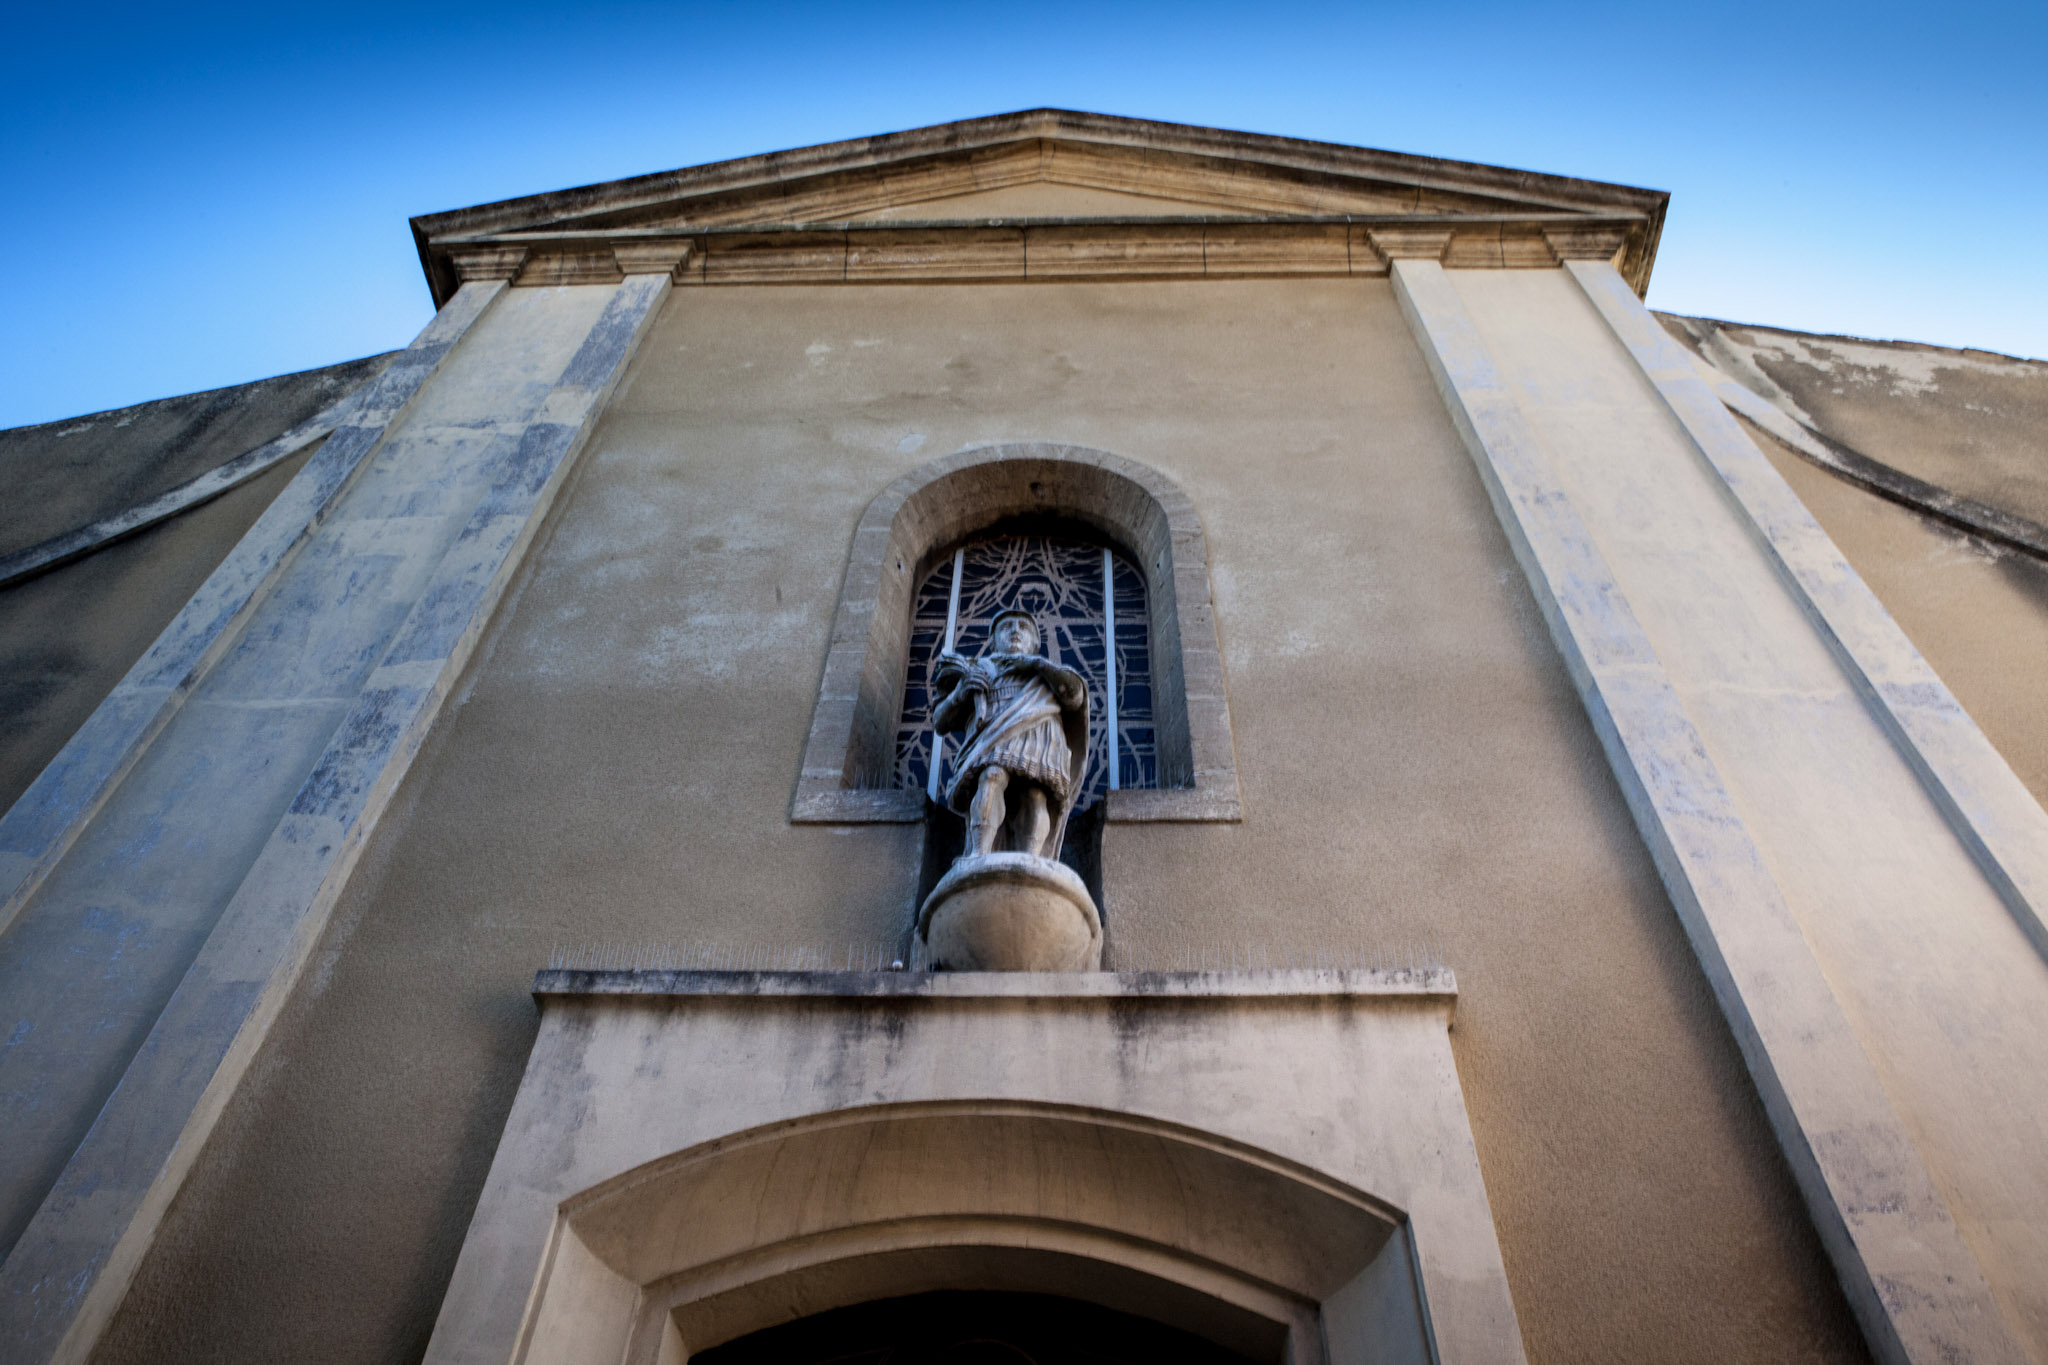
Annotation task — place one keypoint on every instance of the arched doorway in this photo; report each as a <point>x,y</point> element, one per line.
<point>969,1328</point>
<point>681,1256</point>
<point>1275,1163</point>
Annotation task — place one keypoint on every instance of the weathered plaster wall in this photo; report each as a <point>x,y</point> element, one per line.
<point>1972,422</point>
<point>1417,773</point>
<point>59,475</point>
<point>1978,611</point>
<point>67,636</point>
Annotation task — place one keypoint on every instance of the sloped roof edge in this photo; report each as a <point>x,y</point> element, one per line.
<point>1536,189</point>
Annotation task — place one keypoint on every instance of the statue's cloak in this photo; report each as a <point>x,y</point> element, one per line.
<point>1034,704</point>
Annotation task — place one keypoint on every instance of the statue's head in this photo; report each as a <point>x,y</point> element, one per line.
<point>1013,632</point>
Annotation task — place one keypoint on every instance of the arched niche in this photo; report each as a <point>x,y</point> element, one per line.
<point>846,775</point>
<point>769,1226</point>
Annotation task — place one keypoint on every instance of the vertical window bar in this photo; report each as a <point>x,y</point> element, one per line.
<point>1109,659</point>
<point>952,625</point>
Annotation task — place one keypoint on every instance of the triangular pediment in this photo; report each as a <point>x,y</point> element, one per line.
<point>1042,166</point>
<point>1032,199</point>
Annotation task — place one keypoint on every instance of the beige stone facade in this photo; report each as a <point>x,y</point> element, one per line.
<point>1575,920</point>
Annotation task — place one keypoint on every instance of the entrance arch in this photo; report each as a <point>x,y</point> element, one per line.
<point>749,1232</point>
<point>1279,1162</point>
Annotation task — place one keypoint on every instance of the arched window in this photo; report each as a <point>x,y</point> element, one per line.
<point>1084,595</point>
<point>1048,512</point>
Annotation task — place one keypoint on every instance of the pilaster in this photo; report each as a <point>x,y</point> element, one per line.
<point>1684,734</point>
<point>1990,809</point>
<point>288,702</point>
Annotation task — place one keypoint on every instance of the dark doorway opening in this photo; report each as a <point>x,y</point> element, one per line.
<point>960,1327</point>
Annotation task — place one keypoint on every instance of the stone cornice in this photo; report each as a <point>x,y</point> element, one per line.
<point>1190,246</point>
<point>1229,172</point>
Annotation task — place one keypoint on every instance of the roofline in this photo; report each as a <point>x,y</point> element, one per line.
<point>768,168</point>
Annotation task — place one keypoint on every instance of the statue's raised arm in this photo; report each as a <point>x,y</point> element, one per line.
<point>1024,720</point>
<point>957,685</point>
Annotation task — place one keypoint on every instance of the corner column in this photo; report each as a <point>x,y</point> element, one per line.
<point>304,683</point>
<point>1990,809</point>
<point>1913,1283</point>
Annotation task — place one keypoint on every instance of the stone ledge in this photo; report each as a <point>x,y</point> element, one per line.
<point>855,806</point>
<point>1219,246</point>
<point>1176,805</point>
<point>1131,806</point>
<point>1435,983</point>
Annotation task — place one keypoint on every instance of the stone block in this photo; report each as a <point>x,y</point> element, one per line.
<point>1328,1129</point>
<point>770,258</point>
<point>1276,249</point>
<point>1080,252</point>
<point>956,254</point>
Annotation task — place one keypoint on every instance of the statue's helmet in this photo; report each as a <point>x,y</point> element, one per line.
<point>1017,614</point>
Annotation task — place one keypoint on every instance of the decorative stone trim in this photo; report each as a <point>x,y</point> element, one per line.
<point>1259,177</point>
<point>661,256</point>
<point>1438,984</point>
<point>1586,243</point>
<point>1403,243</point>
<point>1203,247</point>
<point>593,265</point>
<point>483,261</point>
<point>1329,1210</point>
<point>578,262</point>
<point>848,757</point>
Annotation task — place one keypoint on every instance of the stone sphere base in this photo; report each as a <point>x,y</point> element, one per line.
<point>1011,912</point>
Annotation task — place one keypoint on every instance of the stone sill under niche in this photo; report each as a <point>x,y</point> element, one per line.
<point>854,806</point>
<point>1436,984</point>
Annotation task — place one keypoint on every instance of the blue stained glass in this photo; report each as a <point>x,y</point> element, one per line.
<point>1060,583</point>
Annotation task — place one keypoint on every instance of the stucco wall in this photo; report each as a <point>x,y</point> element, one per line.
<point>1973,422</point>
<point>67,636</point>
<point>1978,611</point>
<point>1418,778</point>
<point>1969,422</point>
<point>61,475</point>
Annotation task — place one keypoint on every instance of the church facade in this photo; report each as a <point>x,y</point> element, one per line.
<point>1059,733</point>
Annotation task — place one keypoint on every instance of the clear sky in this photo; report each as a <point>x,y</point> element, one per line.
<point>202,195</point>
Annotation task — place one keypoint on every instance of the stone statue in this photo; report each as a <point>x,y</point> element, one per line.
<point>1007,903</point>
<point>1025,720</point>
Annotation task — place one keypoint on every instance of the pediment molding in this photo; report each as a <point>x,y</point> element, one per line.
<point>1211,186</point>
<point>1041,249</point>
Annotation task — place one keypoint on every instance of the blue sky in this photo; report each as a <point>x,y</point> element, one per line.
<point>205,195</point>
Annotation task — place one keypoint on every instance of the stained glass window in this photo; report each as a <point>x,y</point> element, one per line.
<point>1060,582</point>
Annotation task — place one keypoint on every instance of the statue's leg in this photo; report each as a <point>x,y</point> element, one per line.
<point>1034,822</point>
<point>985,815</point>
